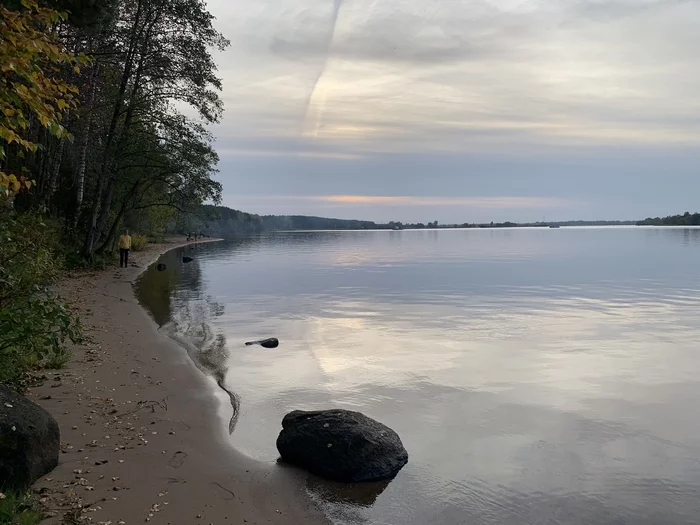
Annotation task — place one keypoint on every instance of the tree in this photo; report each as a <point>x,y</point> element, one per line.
<point>159,56</point>
<point>134,150</point>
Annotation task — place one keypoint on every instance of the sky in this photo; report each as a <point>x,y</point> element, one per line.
<point>460,110</point>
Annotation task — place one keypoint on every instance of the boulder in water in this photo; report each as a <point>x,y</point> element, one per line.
<point>29,440</point>
<point>341,445</point>
<point>186,259</point>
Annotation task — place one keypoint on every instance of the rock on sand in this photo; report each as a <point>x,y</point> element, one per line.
<point>29,440</point>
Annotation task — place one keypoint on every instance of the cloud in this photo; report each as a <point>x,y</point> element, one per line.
<point>257,152</point>
<point>390,77</point>
<point>616,9</point>
<point>382,200</point>
<point>330,97</point>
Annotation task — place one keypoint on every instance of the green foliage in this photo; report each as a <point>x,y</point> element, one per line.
<point>139,242</point>
<point>30,55</point>
<point>19,509</point>
<point>34,323</point>
<point>103,140</point>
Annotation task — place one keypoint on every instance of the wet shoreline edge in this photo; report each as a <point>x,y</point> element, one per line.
<point>136,455</point>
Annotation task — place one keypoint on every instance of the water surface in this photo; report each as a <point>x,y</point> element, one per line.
<point>534,375</point>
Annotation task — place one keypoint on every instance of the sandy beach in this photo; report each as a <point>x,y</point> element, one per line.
<point>140,436</point>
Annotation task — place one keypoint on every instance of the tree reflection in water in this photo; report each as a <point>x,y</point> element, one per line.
<point>176,301</point>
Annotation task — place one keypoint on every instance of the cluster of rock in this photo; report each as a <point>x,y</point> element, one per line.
<point>340,445</point>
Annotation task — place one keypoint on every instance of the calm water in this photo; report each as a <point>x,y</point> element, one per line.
<point>536,376</point>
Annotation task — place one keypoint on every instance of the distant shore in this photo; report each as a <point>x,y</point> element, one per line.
<point>140,436</point>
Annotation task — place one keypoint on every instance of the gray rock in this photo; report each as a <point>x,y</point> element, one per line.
<point>29,440</point>
<point>272,342</point>
<point>341,445</point>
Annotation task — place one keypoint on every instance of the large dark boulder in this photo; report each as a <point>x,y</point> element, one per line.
<point>341,445</point>
<point>29,440</point>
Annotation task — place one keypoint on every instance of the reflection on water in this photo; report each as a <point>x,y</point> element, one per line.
<point>189,323</point>
<point>535,376</point>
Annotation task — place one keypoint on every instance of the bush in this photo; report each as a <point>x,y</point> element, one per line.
<point>34,323</point>
<point>138,242</point>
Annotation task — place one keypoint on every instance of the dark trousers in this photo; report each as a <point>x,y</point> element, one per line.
<point>123,257</point>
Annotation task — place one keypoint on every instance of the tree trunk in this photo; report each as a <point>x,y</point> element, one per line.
<point>115,224</point>
<point>82,159</point>
<point>103,195</point>
<point>106,207</point>
<point>55,170</point>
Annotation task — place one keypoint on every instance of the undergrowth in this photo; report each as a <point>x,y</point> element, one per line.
<point>19,509</point>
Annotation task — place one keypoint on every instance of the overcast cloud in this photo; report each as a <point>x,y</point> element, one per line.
<point>461,110</point>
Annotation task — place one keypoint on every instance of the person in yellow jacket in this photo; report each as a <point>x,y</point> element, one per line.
<point>124,247</point>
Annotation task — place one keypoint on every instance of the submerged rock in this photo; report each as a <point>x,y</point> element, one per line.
<point>273,342</point>
<point>161,267</point>
<point>341,445</point>
<point>29,440</point>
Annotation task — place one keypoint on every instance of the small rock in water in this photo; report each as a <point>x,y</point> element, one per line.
<point>186,259</point>
<point>272,342</point>
<point>161,267</point>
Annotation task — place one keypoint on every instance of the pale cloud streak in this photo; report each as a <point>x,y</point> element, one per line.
<point>381,76</point>
<point>402,200</point>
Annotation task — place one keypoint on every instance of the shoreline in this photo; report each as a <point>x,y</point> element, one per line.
<point>141,436</point>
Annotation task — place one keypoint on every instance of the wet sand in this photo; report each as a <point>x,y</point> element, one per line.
<point>140,435</point>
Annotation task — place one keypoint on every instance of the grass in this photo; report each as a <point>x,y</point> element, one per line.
<point>56,360</point>
<point>16,370</point>
<point>19,509</point>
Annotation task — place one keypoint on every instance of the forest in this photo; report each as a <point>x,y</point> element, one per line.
<point>687,219</point>
<point>104,114</point>
<point>97,104</point>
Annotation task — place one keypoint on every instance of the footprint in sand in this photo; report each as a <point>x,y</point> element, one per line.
<point>177,460</point>
<point>222,491</point>
<point>176,481</point>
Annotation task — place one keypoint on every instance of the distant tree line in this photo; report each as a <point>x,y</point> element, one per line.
<point>687,219</point>
<point>220,221</point>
